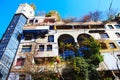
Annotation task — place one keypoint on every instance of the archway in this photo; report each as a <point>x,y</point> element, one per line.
<point>82,37</point>
<point>81,44</point>
<point>66,44</point>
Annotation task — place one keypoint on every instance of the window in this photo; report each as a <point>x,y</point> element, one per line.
<point>22,77</point>
<point>26,48</point>
<point>117,26</point>
<point>117,34</point>
<point>118,56</point>
<point>20,61</point>
<point>112,45</point>
<point>41,47</point>
<point>104,35</point>
<point>36,21</point>
<point>31,21</point>
<point>110,26</point>
<point>49,47</point>
<point>51,27</point>
<point>118,42</point>
<point>103,45</point>
<point>51,38</point>
<point>28,37</point>
<point>30,12</point>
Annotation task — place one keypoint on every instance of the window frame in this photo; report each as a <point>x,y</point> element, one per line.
<point>110,27</point>
<point>31,20</point>
<point>26,48</point>
<point>49,47</point>
<point>104,35</point>
<point>50,38</point>
<point>103,45</point>
<point>117,34</point>
<point>20,63</point>
<point>112,45</point>
<point>116,26</point>
<point>118,56</point>
<point>41,47</point>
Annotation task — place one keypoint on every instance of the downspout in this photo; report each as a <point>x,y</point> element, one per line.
<point>116,77</point>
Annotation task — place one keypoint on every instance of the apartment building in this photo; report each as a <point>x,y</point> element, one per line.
<point>40,41</point>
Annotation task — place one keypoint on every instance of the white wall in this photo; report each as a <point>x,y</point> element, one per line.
<point>26,9</point>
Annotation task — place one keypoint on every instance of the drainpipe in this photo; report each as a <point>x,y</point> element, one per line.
<point>116,62</point>
<point>116,77</point>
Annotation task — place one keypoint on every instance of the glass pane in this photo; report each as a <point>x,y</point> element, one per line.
<point>112,45</point>
<point>49,47</point>
<point>50,38</point>
<point>110,26</point>
<point>41,47</point>
<point>117,26</point>
<point>26,49</point>
<point>20,62</point>
<point>104,35</point>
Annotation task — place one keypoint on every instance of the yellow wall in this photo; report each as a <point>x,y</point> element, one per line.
<point>107,42</point>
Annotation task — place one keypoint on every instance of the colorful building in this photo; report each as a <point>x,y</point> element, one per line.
<point>35,41</point>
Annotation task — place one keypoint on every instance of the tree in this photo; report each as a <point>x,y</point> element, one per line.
<point>85,18</point>
<point>93,73</point>
<point>77,69</point>
<point>91,51</point>
<point>96,16</point>
<point>70,19</point>
<point>111,14</point>
<point>92,16</point>
<point>55,14</point>
<point>84,67</point>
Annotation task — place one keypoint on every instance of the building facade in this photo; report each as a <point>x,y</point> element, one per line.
<point>11,38</point>
<point>40,42</point>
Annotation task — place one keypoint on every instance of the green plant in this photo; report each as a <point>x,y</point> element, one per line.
<point>33,6</point>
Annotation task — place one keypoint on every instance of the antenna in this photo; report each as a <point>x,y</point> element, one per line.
<point>110,5</point>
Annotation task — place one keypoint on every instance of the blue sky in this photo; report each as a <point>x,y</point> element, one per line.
<point>66,8</point>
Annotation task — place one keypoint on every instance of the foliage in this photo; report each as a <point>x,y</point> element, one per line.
<point>33,6</point>
<point>77,69</point>
<point>78,64</point>
<point>55,14</point>
<point>92,51</point>
<point>80,67</point>
<point>93,74</point>
<point>45,76</point>
<point>108,78</point>
<point>83,68</point>
<point>67,46</point>
<point>92,45</point>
